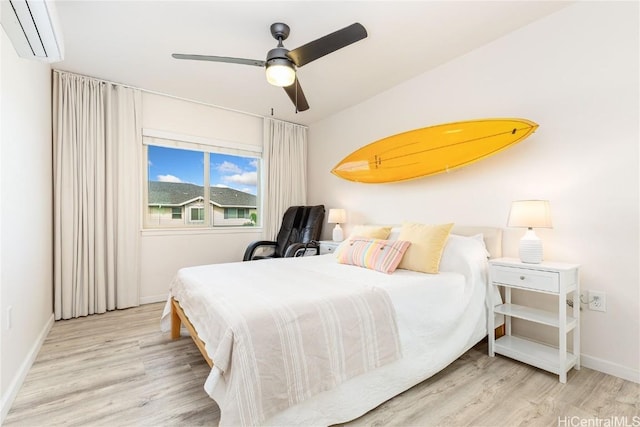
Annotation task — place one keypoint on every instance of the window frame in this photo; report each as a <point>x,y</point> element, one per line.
<point>207,146</point>
<point>246,213</point>
<point>174,213</point>
<point>196,208</point>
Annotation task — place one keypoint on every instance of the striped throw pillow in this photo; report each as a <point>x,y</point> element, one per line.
<point>374,254</point>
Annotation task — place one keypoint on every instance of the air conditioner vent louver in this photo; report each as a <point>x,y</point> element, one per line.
<point>31,27</point>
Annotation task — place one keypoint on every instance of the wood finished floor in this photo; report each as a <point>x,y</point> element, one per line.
<point>118,369</point>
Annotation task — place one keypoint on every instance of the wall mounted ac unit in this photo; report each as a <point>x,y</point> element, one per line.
<point>31,25</point>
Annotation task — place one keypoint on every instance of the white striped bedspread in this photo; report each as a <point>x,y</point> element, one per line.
<point>279,334</point>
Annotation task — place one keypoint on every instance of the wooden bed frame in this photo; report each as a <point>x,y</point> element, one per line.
<point>177,319</point>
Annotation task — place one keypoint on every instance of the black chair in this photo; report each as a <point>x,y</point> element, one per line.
<point>300,230</point>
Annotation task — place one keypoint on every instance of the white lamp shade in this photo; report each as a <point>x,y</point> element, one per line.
<point>337,216</point>
<point>530,214</point>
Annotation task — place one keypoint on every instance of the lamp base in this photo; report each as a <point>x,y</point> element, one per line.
<point>531,248</point>
<point>337,234</point>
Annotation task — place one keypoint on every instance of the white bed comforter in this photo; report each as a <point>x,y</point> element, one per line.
<point>438,317</point>
<point>280,331</point>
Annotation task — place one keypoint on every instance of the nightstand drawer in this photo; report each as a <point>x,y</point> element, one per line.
<point>327,247</point>
<point>529,279</point>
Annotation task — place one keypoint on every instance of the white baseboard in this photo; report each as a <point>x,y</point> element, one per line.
<point>21,374</point>
<point>153,298</point>
<point>610,368</point>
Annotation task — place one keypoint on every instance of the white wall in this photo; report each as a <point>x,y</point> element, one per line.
<point>26,221</point>
<point>576,74</point>
<point>164,252</point>
<point>25,215</point>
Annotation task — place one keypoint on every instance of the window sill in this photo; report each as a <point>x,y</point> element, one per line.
<point>196,231</point>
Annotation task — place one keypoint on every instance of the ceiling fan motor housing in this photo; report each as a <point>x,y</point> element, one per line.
<point>278,53</point>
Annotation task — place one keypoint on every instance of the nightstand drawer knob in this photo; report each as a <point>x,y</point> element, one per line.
<point>521,277</point>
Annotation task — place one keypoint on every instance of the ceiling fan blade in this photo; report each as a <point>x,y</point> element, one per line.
<point>327,44</point>
<point>256,62</point>
<point>297,96</point>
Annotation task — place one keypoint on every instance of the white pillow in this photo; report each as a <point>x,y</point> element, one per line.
<point>395,233</point>
<point>459,249</point>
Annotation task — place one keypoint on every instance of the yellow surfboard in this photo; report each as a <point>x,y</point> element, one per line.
<point>432,150</point>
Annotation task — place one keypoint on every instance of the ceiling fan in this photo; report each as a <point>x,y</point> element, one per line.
<point>281,63</point>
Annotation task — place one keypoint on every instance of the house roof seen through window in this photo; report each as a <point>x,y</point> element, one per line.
<point>178,194</point>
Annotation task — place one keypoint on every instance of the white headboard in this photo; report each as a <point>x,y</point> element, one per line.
<point>492,237</point>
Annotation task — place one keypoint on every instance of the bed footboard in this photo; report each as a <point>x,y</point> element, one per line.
<point>178,318</point>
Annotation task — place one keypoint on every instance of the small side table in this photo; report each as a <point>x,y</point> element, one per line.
<point>550,278</point>
<point>328,246</point>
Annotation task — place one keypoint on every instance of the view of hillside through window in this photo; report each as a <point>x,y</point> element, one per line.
<point>176,188</point>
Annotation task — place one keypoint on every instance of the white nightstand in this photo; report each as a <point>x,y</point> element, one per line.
<point>550,278</point>
<point>328,246</point>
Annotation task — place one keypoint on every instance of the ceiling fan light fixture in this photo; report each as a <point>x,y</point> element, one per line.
<point>280,72</point>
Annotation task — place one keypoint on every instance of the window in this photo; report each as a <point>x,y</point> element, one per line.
<point>192,184</point>
<point>237,213</point>
<point>196,214</point>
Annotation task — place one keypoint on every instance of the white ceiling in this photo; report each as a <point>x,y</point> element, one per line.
<point>131,42</point>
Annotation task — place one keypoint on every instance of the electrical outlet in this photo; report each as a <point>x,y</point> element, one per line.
<point>597,301</point>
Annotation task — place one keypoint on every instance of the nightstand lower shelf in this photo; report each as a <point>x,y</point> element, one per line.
<point>533,353</point>
<point>534,315</point>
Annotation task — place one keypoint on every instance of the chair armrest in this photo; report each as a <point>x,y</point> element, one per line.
<point>248,253</point>
<point>300,249</point>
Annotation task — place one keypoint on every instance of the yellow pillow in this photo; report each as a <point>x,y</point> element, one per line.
<point>427,244</point>
<point>371,232</point>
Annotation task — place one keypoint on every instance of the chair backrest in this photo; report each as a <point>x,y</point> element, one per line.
<point>300,224</point>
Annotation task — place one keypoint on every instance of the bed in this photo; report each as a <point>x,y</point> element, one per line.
<point>414,325</point>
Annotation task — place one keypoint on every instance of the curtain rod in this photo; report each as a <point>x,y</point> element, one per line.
<point>153,92</point>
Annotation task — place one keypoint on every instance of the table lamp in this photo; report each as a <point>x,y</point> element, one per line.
<point>337,217</point>
<point>530,214</point>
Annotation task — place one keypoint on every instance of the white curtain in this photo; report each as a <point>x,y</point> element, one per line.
<point>96,163</point>
<point>285,161</point>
